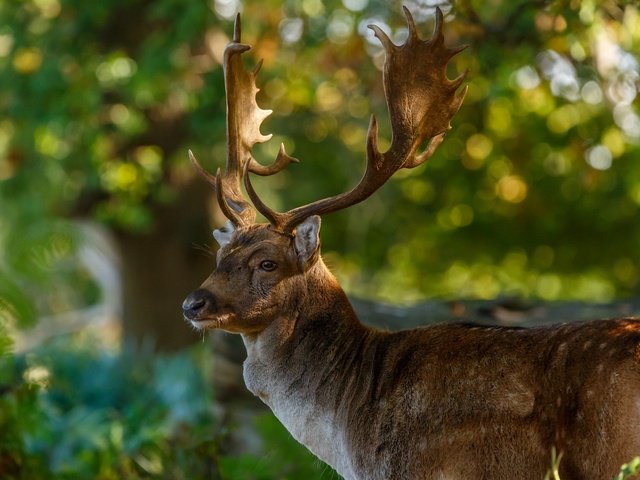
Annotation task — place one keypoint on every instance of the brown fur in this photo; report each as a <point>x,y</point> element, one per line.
<point>442,402</point>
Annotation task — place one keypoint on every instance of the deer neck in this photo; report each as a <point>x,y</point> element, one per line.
<point>297,365</point>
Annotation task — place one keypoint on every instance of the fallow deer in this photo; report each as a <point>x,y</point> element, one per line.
<point>453,401</point>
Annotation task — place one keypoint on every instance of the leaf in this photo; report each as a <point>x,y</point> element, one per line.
<point>16,308</point>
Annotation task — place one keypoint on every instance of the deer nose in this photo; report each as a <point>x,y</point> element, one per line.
<point>197,303</point>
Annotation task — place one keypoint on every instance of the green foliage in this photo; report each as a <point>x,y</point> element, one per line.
<point>554,471</point>
<point>40,273</point>
<point>74,410</point>
<point>6,343</point>
<point>283,458</point>
<point>87,91</point>
<point>626,471</point>
<point>629,469</point>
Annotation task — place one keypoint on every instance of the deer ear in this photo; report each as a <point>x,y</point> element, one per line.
<point>223,235</point>
<point>307,239</point>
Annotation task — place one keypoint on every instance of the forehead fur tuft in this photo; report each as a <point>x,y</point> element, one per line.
<point>255,233</point>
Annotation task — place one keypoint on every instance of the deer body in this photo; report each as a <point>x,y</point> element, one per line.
<point>456,402</point>
<point>451,401</point>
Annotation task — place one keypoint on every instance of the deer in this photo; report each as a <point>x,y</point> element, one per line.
<point>445,401</point>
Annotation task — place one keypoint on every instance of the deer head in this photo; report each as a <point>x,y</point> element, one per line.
<point>262,260</point>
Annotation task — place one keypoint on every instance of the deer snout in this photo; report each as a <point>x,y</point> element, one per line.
<point>197,303</point>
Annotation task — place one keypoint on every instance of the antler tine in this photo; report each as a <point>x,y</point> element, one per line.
<point>210,178</point>
<point>244,118</point>
<point>272,217</point>
<point>413,31</point>
<point>282,160</point>
<point>237,29</point>
<point>383,37</point>
<point>437,29</point>
<point>421,102</point>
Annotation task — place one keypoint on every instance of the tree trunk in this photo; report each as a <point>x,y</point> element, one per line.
<point>161,267</point>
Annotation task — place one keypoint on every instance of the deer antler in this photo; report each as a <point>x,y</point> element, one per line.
<point>243,132</point>
<point>421,102</point>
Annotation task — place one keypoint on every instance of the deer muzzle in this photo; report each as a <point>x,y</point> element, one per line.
<point>198,304</point>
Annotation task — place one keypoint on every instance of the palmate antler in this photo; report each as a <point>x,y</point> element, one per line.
<point>421,102</point>
<point>243,132</point>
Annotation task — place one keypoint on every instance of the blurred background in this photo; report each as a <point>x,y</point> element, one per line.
<point>105,227</point>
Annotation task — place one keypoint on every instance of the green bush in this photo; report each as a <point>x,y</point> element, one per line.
<point>74,409</point>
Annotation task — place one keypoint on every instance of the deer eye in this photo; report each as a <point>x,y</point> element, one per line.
<point>268,265</point>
